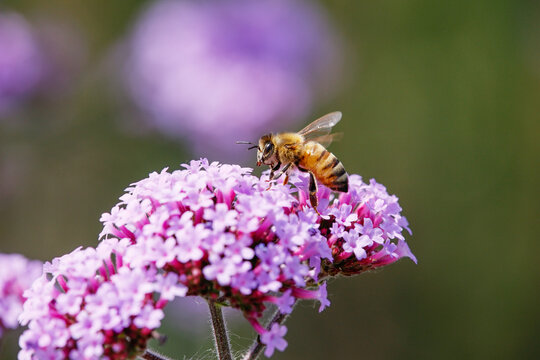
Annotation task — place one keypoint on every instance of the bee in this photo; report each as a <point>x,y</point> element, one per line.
<point>306,151</point>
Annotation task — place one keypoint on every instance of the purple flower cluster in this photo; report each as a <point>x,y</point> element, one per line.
<point>21,61</point>
<point>89,304</point>
<point>251,64</point>
<point>209,230</point>
<point>16,275</point>
<point>217,228</point>
<point>363,227</point>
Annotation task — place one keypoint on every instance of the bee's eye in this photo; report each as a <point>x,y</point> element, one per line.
<point>268,148</point>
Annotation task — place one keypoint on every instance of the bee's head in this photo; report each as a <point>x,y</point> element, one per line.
<point>265,150</point>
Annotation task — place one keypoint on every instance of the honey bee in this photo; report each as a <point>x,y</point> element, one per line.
<point>306,151</point>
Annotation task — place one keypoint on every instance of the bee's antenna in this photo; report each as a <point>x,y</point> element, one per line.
<point>247,143</point>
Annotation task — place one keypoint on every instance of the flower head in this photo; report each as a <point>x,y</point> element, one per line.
<point>210,230</point>
<point>89,304</point>
<point>363,228</point>
<point>216,228</point>
<point>16,275</point>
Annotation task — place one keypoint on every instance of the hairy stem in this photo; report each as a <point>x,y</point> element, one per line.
<point>257,348</point>
<point>220,331</point>
<point>152,355</point>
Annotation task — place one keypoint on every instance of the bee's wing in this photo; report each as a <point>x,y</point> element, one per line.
<point>321,126</point>
<point>326,140</point>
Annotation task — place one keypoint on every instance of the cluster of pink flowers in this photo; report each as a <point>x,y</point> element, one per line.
<point>90,304</point>
<point>363,227</point>
<point>209,230</point>
<point>16,275</point>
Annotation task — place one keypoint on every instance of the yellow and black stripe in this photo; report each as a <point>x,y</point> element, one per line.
<point>325,166</point>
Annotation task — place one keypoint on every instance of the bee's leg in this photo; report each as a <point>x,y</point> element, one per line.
<point>272,174</point>
<point>283,171</point>
<point>313,192</point>
<point>273,171</point>
<point>286,180</point>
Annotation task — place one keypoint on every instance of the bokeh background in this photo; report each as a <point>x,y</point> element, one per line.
<point>441,103</point>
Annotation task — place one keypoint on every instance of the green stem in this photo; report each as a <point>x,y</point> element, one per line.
<point>220,331</point>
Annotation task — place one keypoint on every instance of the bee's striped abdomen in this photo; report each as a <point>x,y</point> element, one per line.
<point>325,166</point>
<point>341,179</point>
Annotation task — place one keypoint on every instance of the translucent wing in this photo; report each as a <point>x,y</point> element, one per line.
<point>321,126</point>
<point>326,140</point>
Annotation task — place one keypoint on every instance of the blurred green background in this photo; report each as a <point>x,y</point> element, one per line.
<point>441,103</point>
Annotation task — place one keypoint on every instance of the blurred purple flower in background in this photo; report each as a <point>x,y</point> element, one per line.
<point>218,71</point>
<point>16,275</point>
<point>42,59</point>
<point>21,61</point>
